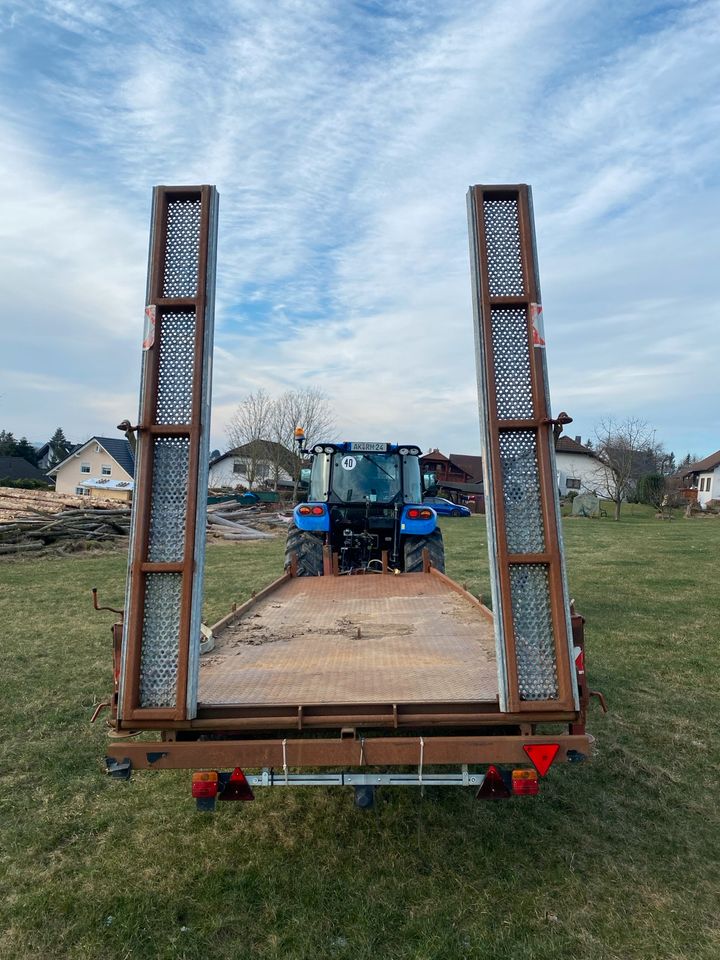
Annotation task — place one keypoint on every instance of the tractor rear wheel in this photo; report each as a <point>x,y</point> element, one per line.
<point>414,547</point>
<point>308,548</point>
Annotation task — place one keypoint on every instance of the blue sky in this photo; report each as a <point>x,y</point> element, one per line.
<point>342,137</point>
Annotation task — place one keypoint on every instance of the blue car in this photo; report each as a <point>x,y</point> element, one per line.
<point>446,508</point>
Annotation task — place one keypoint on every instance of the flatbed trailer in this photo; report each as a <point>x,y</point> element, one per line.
<point>351,680</point>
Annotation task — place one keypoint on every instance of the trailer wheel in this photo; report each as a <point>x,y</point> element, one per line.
<point>308,548</point>
<point>414,547</point>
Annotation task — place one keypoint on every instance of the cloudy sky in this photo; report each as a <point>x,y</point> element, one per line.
<point>342,136</point>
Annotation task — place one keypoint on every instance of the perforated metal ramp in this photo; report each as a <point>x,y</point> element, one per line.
<point>372,639</point>
<point>527,568</point>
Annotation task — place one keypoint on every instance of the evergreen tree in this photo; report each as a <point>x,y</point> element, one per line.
<point>7,444</point>
<point>26,450</point>
<point>59,448</point>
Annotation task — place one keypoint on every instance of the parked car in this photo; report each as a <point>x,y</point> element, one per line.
<point>446,508</point>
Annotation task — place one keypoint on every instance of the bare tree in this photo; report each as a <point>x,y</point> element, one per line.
<point>308,408</point>
<point>625,448</point>
<point>265,427</point>
<point>250,427</point>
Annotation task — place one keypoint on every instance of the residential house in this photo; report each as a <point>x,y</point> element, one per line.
<point>704,478</point>
<point>579,468</point>
<point>17,468</point>
<point>45,454</point>
<point>459,476</point>
<point>100,467</point>
<point>260,464</point>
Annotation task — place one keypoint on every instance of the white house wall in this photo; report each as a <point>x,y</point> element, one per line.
<point>222,475</point>
<point>94,457</point>
<point>704,496</point>
<point>578,466</point>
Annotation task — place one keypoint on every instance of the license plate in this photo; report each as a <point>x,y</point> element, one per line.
<point>369,447</point>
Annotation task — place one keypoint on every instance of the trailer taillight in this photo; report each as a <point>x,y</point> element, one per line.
<point>493,786</point>
<point>237,787</point>
<point>204,784</point>
<point>525,783</point>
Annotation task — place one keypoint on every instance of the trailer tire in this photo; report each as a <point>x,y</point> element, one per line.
<point>308,548</point>
<point>414,547</point>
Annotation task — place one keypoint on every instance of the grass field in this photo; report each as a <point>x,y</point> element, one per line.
<point>616,859</point>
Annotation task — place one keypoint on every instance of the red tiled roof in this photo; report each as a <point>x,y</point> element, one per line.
<point>568,445</point>
<point>470,465</point>
<point>435,455</point>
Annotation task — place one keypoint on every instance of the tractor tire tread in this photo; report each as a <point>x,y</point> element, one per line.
<point>414,547</point>
<point>308,547</point>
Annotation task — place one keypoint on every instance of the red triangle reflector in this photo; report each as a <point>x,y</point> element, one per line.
<point>493,786</point>
<point>541,755</point>
<point>237,787</point>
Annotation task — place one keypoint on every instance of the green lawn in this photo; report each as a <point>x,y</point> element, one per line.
<point>616,859</point>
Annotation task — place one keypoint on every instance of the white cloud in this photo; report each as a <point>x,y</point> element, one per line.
<point>342,144</point>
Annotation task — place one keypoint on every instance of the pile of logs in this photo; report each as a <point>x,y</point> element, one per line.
<point>229,521</point>
<point>32,520</point>
<point>29,533</point>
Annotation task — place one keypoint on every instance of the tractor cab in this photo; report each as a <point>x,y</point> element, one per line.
<point>365,503</point>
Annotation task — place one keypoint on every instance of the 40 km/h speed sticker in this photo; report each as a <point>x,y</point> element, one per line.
<point>349,463</point>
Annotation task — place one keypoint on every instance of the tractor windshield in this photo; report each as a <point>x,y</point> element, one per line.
<point>369,477</point>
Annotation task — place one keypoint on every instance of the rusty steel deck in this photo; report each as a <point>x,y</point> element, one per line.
<point>365,639</point>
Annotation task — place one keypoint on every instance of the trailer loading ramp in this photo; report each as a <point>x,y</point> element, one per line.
<point>361,639</point>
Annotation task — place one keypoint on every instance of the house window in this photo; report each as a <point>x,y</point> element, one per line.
<point>263,471</point>
<point>80,491</point>
<point>85,467</point>
<point>572,484</point>
<point>106,470</point>
<point>239,466</point>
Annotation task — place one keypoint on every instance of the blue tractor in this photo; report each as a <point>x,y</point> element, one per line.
<point>365,503</point>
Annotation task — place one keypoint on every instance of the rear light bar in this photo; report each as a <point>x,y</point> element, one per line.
<point>525,783</point>
<point>501,785</point>
<point>209,786</point>
<point>315,511</point>
<point>205,784</point>
<point>415,514</point>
